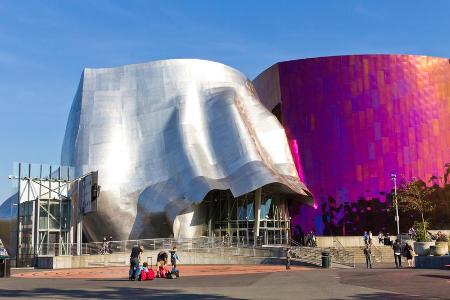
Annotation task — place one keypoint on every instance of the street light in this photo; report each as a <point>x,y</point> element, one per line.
<point>394,178</point>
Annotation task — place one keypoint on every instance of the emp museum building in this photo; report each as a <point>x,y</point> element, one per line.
<point>183,149</point>
<point>188,148</point>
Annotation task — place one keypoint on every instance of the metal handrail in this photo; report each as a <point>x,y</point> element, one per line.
<point>342,255</point>
<point>183,244</point>
<point>378,250</point>
<point>309,255</point>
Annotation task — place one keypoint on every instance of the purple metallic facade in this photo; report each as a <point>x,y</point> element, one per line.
<point>352,121</point>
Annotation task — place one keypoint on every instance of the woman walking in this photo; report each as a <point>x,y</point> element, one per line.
<point>409,253</point>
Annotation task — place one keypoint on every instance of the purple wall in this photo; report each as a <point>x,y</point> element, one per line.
<point>351,121</point>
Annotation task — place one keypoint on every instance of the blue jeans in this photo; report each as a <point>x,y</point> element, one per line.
<point>369,261</point>
<point>134,264</point>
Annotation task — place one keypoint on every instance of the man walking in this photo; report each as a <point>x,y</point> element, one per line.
<point>288,258</point>
<point>397,253</point>
<point>368,255</point>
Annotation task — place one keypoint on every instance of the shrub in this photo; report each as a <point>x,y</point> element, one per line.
<point>442,238</point>
<point>421,233</point>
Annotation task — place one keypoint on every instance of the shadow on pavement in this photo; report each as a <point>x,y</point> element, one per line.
<point>384,296</point>
<point>436,276</point>
<point>110,293</point>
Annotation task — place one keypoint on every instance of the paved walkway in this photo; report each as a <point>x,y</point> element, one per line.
<point>185,271</point>
<point>233,282</point>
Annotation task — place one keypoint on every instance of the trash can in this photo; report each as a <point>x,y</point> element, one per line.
<point>5,267</point>
<point>326,260</point>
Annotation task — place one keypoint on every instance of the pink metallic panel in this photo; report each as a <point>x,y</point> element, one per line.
<point>355,120</point>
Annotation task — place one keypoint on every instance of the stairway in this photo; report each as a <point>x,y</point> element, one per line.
<point>383,254</point>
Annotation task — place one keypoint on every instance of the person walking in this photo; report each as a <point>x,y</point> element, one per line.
<point>380,238</point>
<point>370,237</point>
<point>397,253</point>
<point>288,258</point>
<point>173,258</point>
<point>368,255</point>
<point>110,245</point>
<point>135,259</point>
<point>409,254</point>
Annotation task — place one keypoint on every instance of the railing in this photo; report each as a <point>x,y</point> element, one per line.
<point>340,255</point>
<point>187,244</point>
<point>309,255</point>
<point>378,254</point>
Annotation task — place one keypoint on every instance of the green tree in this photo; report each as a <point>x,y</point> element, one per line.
<point>415,196</point>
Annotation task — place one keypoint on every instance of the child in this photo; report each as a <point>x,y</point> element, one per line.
<point>173,258</point>
<point>146,273</point>
<point>162,271</point>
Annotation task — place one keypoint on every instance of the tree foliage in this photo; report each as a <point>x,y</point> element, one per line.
<point>416,196</point>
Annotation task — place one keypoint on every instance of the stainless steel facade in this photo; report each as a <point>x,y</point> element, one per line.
<point>165,133</point>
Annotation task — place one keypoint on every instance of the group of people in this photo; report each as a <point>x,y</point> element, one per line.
<point>310,239</point>
<point>400,249</point>
<point>107,246</point>
<point>412,233</point>
<point>384,239</point>
<point>405,250</point>
<point>145,272</point>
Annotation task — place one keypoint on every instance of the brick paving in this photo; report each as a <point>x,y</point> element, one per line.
<point>185,271</point>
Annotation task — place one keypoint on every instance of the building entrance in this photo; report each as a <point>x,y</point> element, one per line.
<point>259,217</point>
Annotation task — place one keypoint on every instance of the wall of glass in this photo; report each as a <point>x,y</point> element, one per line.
<point>234,218</point>
<point>44,211</point>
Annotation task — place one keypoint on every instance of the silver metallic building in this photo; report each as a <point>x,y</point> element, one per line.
<point>165,137</point>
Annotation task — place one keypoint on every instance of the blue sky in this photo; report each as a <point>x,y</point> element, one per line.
<point>44,46</point>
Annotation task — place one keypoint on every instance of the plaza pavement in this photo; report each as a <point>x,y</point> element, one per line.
<point>231,282</point>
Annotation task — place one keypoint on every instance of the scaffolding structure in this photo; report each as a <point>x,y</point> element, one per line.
<point>51,204</point>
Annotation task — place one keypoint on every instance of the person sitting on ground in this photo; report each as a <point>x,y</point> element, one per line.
<point>162,271</point>
<point>146,273</point>
<point>368,255</point>
<point>161,263</point>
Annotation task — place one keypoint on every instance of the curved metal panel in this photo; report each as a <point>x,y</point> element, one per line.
<point>163,134</point>
<point>356,119</point>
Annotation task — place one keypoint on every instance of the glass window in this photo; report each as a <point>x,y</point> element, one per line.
<point>265,208</point>
<point>65,218</point>
<point>43,215</point>
<point>55,215</point>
